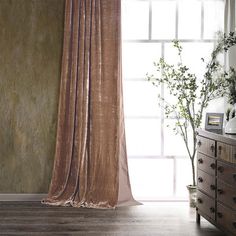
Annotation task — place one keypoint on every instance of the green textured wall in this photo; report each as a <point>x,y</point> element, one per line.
<point>31,36</point>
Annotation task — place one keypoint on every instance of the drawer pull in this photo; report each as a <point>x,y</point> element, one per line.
<point>234,176</point>
<point>212,148</point>
<point>220,149</point>
<point>199,200</point>
<point>234,224</point>
<point>234,199</point>
<point>220,191</point>
<point>221,169</point>
<point>200,161</point>
<point>213,166</point>
<point>219,214</point>
<point>212,210</point>
<point>213,187</point>
<point>199,143</point>
<point>200,179</point>
<point>234,155</point>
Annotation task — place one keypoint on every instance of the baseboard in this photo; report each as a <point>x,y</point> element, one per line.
<point>39,196</point>
<point>22,197</point>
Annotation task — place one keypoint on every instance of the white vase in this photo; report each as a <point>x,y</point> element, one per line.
<point>230,127</point>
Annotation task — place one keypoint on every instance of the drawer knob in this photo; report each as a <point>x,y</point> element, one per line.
<point>213,166</point>
<point>199,143</point>
<point>199,200</point>
<point>221,169</point>
<point>234,224</point>
<point>220,191</point>
<point>213,187</point>
<point>219,214</point>
<point>234,199</point>
<point>234,176</point>
<point>212,148</point>
<point>220,149</point>
<point>200,179</point>
<point>200,161</point>
<point>212,209</point>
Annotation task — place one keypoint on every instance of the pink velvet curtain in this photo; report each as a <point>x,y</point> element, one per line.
<point>90,167</point>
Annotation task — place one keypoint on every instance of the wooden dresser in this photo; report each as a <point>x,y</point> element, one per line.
<point>216,180</point>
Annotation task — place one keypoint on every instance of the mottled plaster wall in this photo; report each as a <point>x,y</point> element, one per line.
<point>31,35</point>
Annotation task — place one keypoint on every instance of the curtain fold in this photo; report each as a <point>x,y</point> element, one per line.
<point>90,167</point>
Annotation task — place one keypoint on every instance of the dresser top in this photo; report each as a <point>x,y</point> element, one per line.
<point>225,138</point>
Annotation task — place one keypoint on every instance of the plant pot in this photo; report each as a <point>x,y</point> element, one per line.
<point>192,195</point>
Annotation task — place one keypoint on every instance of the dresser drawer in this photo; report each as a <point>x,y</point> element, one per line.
<point>206,146</point>
<point>226,152</point>
<point>206,183</point>
<point>226,194</point>
<point>206,204</point>
<point>226,218</point>
<point>226,172</point>
<point>206,164</point>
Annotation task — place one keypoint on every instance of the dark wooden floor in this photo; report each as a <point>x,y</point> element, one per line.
<point>162,219</point>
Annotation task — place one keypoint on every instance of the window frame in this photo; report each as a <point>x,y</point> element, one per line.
<point>162,42</point>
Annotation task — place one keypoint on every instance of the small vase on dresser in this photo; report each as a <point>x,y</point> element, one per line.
<point>230,127</point>
<point>216,180</point>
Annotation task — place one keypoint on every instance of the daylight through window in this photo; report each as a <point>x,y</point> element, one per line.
<point>158,164</point>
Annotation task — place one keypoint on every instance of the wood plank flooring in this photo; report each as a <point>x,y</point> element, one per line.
<point>162,219</point>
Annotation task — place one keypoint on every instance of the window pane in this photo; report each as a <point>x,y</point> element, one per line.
<point>135,19</point>
<point>163,19</point>
<point>174,141</point>
<point>140,99</point>
<point>191,56</point>
<point>147,175</point>
<point>213,18</point>
<point>138,58</point>
<point>143,136</point>
<point>183,178</point>
<point>189,19</point>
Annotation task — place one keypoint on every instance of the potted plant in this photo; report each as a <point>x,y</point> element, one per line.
<point>191,96</point>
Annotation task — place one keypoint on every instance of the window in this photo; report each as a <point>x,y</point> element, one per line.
<point>158,163</point>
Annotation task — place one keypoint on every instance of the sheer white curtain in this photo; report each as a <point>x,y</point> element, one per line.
<point>229,27</point>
